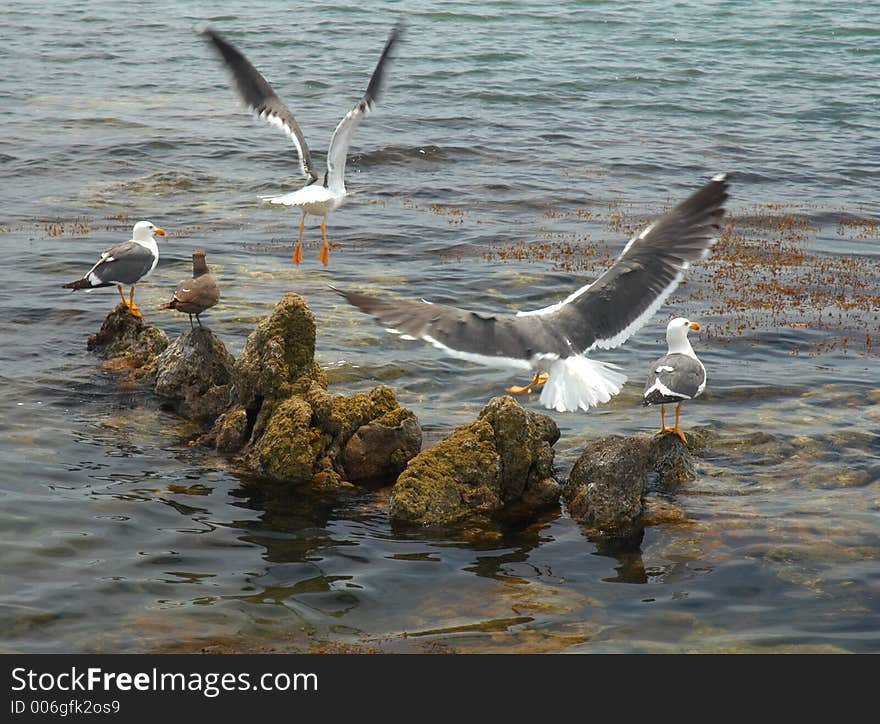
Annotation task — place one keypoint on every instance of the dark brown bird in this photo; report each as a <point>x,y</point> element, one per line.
<point>194,296</point>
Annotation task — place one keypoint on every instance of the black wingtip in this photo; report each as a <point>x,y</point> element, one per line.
<point>375,86</point>
<point>227,51</point>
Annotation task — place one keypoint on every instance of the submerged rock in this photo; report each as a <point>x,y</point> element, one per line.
<point>194,374</point>
<point>607,485</point>
<point>127,343</point>
<point>500,464</point>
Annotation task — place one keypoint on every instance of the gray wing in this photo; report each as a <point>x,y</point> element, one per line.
<point>603,314</point>
<point>122,263</point>
<point>337,153</point>
<point>499,336</point>
<point>619,303</point>
<point>674,377</point>
<point>259,97</point>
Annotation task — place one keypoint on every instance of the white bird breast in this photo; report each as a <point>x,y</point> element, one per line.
<point>314,199</point>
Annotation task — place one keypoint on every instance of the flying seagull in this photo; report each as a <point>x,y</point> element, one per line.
<point>676,376</point>
<point>600,315</point>
<point>125,263</point>
<point>321,194</point>
<point>194,296</point>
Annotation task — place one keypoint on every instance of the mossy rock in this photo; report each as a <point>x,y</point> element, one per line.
<point>289,447</point>
<point>524,440</point>
<point>230,431</point>
<point>278,357</point>
<point>457,479</point>
<point>500,465</point>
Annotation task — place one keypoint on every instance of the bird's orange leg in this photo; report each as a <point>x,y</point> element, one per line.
<point>663,427</point>
<point>132,307</point>
<point>324,254</point>
<point>298,247</point>
<point>539,379</point>
<point>124,300</point>
<point>676,429</point>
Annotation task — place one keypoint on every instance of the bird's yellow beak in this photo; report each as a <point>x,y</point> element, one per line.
<point>160,232</point>
<point>694,326</point>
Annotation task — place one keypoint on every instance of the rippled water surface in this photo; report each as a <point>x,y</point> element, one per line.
<point>516,146</point>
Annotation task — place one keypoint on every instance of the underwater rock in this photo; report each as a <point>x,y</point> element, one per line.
<point>607,484</point>
<point>193,374</point>
<point>129,344</point>
<point>500,464</point>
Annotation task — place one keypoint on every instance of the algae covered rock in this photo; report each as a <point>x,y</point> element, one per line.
<point>278,354</point>
<point>289,447</point>
<point>231,431</point>
<point>457,479</point>
<point>606,488</point>
<point>365,439</point>
<point>502,463</point>
<point>129,344</point>
<point>288,428</point>
<point>524,440</point>
<point>193,374</point>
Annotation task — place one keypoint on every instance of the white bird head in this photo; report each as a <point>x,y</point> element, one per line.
<point>144,230</point>
<point>677,331</point>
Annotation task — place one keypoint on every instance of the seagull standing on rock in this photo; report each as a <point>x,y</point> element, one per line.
<point>677,376</point>
<point>125,263</point>
<point>194,296</point>
<point>317,199</point>
<point>553,342</point>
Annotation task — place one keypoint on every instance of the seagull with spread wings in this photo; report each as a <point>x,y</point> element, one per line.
<point>322,194</point>
<point>601,315</point>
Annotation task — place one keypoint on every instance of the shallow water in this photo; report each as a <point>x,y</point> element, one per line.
<point>502,129</point>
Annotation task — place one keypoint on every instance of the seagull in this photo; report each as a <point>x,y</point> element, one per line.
<point>194,296</point>
<point>317,199</point>
<point>676,376</point>
<point>601,315</point>
<point>125,263</point>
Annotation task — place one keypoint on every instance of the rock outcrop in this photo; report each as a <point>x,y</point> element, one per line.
<point>286,426</point>
<point>607,485</point>
<point>128,344</point>
<point>194,375</point>
<point>500,465</point>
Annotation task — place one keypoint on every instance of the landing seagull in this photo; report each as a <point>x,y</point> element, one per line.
<point>317,199</point>
<point>601,315</point>
<point>676,376</point>
<point>125,263</point>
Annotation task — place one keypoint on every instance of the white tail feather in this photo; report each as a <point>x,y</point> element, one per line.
<point>285,199</point>
<point>579,383</point>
